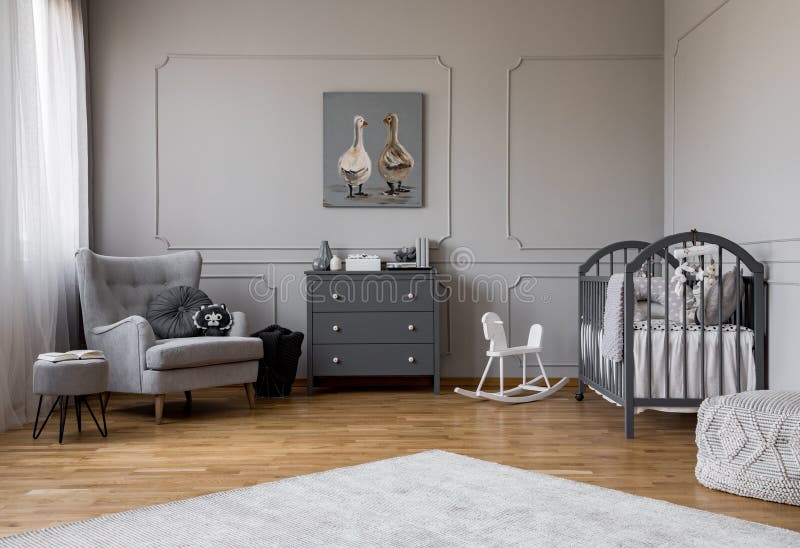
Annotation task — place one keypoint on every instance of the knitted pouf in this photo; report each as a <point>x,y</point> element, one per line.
<point>749,444</point>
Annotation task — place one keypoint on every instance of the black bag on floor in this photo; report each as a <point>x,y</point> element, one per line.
<point>278,368</point>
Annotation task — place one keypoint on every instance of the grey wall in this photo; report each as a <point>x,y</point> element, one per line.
<point>731,141</point>
<point>576,85</point>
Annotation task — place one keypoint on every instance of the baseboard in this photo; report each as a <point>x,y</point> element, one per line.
<point>447,383</point>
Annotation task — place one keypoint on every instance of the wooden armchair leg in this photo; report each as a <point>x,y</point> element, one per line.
<point>250,390</point>
<point>188,394</point>
<point>159,401</point>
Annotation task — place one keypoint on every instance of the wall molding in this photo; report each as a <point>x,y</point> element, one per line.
<point>520,61</point>
<point>251,277</point>
<point>509,290</point>
<point>435,242</point>
<point>773,241</point>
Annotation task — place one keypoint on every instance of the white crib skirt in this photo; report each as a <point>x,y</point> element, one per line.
<point>656,387</point>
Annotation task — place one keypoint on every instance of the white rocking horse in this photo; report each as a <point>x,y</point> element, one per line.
<point>498,348</point>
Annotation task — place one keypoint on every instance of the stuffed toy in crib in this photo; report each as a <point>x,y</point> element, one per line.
<point>687,275</point>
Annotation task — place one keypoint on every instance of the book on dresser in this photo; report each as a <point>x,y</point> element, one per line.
<point>363,324</point>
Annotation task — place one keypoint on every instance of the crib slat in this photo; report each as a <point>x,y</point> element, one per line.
<point>685,344</point>
<point>583,318</point>
<point>582,325</point>
<point>738,327</point>
<point>595,352</point>
<point>589,328</point>
<point>649,327</point>
<point>600,360</point>
<point>702,331</point>
<point>594,328</point>
<point>601,302</point>
<point>719,322</point>
<point>597,324</point>
<point>666,322</point>
<point>607,363</point>
<point>587,318</point>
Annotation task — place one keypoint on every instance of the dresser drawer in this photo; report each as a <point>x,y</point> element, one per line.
<point>373,327</point>
<point>371,293</point>
<point>372,359</point>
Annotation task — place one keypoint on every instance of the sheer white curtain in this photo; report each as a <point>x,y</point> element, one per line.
<point>43,188</point>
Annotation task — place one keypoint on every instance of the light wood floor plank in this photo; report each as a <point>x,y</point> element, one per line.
<point>218,443</point>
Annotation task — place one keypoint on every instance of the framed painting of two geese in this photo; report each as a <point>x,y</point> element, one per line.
<point>372,149</point>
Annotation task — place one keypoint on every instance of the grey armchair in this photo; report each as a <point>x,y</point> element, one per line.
<point>115,292</point>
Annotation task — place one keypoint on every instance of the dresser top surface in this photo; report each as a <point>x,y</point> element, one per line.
<point>392,272</point>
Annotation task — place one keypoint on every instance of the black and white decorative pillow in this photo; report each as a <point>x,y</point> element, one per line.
<point>213,320</point>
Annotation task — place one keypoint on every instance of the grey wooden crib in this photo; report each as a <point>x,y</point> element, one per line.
<point>679,382</point>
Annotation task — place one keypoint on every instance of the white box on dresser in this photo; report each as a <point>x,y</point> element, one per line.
<point>362,263</point>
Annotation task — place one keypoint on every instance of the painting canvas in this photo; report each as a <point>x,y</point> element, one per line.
<point>372,149</point>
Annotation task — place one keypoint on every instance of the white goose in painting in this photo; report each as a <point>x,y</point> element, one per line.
<point>395,163</point>
<point>355,166</point>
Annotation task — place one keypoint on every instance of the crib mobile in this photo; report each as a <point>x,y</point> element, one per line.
<point>694,273</point>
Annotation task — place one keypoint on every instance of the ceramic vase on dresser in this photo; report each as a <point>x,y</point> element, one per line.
<point>323,260</point>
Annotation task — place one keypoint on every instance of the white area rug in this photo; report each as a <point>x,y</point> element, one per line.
<point>429,499</point>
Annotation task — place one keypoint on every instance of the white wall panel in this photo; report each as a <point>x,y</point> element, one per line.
<point>582,155</point>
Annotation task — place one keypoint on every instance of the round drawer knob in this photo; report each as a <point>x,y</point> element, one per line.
<point>336,359</point>
<point>410,296</point>
<point>411,327</point>
<point>411,359</point>
<point>335,296</point>
<point>335,328</point>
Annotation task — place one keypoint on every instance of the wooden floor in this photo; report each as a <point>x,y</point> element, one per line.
<point>220,444</point>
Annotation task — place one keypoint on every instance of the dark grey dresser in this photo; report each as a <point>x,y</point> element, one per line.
<point>373,324</point>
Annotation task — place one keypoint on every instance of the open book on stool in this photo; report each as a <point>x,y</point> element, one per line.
<point>72,355</point>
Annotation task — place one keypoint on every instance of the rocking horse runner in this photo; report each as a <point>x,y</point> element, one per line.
<point>498,348</point>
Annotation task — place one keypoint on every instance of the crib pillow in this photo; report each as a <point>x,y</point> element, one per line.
<point>657,296</point>
<point>640,311</point>
<point>711,299</point>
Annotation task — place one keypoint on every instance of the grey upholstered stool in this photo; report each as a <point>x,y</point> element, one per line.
<point>75,378</point>
<point>749,444</point>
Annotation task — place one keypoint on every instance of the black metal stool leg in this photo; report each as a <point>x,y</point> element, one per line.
<point>38,433</point>
<point>103,412</point>
<point>104,430</point>
<point>78,410</point>
<point>64,407</point>
<point>38,410</point>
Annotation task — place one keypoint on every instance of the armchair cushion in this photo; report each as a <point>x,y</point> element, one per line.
<point>202,351</point>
